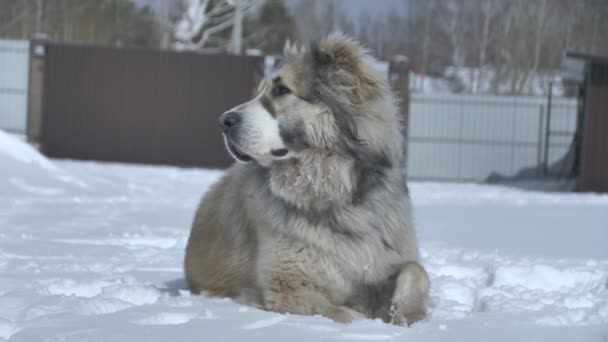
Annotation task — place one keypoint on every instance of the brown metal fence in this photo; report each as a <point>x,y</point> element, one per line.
<point>140,106</point>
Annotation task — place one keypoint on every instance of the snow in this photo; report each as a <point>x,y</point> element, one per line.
<point>28,171</point>
<point>99,258</point>
<point>476,81</point>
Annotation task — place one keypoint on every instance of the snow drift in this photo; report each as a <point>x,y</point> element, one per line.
<point>93,252</point>
<point>24,170</point>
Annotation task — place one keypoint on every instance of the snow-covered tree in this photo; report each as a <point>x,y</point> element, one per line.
<point>206,24</point>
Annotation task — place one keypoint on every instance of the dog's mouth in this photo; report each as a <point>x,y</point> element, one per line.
<point>237,152</point>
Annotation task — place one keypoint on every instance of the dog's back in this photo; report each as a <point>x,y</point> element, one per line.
<point>220,255</point>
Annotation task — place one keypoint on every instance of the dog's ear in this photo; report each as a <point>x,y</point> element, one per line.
<point>287,47</point>
<point>320,58</point>
<point>348,65</point>
<point>289,50</point>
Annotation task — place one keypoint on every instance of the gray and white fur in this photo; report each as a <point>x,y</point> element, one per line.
<point>315,216</point>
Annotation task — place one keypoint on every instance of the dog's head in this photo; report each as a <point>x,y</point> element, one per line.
<point>325,98</point>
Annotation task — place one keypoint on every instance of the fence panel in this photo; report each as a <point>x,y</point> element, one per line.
<point>469,138</point>
<point>141,106</point>
<point>14,67</point>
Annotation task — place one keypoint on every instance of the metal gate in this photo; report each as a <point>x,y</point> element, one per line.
<point>14,66</point>
<point>481,138</point>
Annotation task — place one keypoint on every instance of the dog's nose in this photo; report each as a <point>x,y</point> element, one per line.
<point>229,120</point>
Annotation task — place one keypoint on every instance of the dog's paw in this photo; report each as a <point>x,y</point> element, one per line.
<point>398,316</point>
<point>410,299</point>
<point>343,314</point>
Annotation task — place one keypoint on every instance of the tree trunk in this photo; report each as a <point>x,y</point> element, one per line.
<point>483,46</point>
<point>538,39</point>
<point>237,28</point>
<point>425,42</point>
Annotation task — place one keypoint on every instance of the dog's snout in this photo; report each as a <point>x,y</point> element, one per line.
<point>229,120</point>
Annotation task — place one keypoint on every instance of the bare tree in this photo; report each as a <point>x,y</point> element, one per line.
<point>485,31</point>
<point>538,37</point>
<point>426,38</point>
<point>204,24</point>
<point>167,15</point>
<point>453,24</point>
<point>307,20</point>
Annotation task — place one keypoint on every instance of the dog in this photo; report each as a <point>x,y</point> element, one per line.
<point>315,216</point>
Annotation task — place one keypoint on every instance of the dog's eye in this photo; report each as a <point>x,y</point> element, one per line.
<point>280,90</point>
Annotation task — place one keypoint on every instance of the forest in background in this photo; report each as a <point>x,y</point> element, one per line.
<point>493,46</point>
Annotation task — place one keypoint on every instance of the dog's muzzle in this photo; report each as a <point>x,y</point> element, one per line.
<point>229,123</point>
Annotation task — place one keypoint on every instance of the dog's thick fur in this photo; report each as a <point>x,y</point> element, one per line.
<point>319,220</point>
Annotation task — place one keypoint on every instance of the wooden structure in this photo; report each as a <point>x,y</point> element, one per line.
<point>593,161</point>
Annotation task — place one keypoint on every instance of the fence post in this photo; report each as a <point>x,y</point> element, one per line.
<point>548,130</point>
<point>539,156</point>
<point>38,49</point>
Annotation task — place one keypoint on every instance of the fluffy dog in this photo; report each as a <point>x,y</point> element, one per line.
<point>315,217</point>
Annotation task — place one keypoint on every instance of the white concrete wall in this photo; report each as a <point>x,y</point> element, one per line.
<point>14,69</point>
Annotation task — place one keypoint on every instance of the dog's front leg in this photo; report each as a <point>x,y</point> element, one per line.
<point>410,298</point>
<point>289,293</point>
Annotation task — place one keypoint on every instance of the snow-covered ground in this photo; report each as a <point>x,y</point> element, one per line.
<point>482,81</point>
<point>93,252</point>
